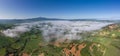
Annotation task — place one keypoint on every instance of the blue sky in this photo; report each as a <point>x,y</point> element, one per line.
<point>68,9</point>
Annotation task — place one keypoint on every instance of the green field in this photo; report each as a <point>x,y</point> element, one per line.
<point>106,42</point>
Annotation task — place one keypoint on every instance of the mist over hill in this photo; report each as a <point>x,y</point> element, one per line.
<point>57,29</point>
<point>57,37</point>
<point>53,28</point>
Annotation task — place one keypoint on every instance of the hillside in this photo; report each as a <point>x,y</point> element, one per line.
<point>38,39</point>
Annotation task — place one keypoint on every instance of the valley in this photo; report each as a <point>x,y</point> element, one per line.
<point>60,38</point>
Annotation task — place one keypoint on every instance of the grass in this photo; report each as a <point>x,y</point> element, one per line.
<point>32,43</point>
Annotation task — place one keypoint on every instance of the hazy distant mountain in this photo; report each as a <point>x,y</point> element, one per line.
<point>53,19</point>
<point>26,20</point>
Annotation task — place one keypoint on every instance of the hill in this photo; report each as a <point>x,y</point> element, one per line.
<point>12,21</point>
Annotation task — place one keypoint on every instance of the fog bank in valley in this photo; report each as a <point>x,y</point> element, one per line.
<point>57,29</point>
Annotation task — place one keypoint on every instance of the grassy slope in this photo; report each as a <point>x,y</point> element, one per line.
<point>35,44</point>
<point>110,42</point>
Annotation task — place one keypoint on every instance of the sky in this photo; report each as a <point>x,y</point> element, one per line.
<point>64,9</point>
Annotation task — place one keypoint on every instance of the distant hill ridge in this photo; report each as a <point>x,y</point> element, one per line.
<point>4,21</point>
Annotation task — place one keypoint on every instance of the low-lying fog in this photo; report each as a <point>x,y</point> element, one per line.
<point>57,29</point>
